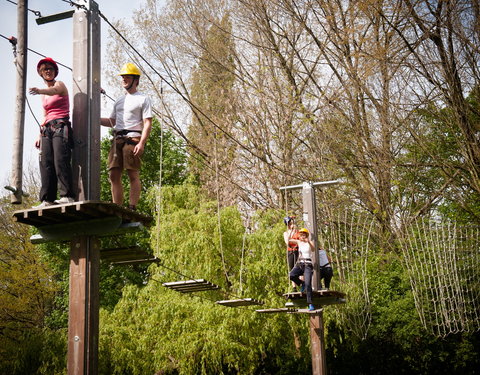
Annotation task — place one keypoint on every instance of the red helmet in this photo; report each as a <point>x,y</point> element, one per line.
<point>47,60</point>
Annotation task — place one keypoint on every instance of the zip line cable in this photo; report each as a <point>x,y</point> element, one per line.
<point>13,40</point>
<point>36,12</point>
<point>188,101</point>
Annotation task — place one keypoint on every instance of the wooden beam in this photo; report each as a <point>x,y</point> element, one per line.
<point>239,302</point>
<point>82,358</point>
<point>317,343</point>
<point>18,129</point>
<point>83,306</point>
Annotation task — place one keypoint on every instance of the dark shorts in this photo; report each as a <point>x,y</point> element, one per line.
<point>121,154</point>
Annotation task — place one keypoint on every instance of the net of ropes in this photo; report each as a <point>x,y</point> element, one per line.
<point>347,238</point>
<point>442,261</point>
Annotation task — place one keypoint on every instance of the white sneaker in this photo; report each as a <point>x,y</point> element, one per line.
<point>64,200</point>
<point>43,204</point>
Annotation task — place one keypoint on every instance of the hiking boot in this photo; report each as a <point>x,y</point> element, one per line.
<point>64,200</point>
<point>43,204</point>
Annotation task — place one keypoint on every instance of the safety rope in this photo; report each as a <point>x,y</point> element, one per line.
<point>160,175</point>
<point>217,190</point>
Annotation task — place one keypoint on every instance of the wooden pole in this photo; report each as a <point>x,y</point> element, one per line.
<point>317,346</point>
<point>18,131</point>
<point>83,308</point>
<point>86,102</point>
<point>83,320</point>
<point>317,337</point>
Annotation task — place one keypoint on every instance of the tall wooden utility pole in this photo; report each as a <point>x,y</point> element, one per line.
<point>317,339</point>
<point>83,320</point>
<point>18,131</point>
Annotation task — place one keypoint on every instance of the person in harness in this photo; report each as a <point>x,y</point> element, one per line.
<point>304,265</point>
<point>292,247</point>
<point>326,270</point>
<point>55,139</point>
<point>131,120</point>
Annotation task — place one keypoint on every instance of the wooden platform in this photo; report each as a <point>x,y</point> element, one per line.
<point>127,255</point>
<point>239,302</point>
<point>62,222</point>
<point>288,310</point>
<point>191,286</point>
<point>319,298</point>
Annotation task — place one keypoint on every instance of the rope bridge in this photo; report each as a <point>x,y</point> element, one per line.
<point>442,261</point>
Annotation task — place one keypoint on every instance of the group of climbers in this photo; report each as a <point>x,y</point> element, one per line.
<point>131,120</point>
<point>300,250</point>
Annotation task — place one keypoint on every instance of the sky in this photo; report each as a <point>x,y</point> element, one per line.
<point>52,40</point>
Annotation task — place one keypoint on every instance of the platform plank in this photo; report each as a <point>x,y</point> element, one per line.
<point>78,211</point>
<point>190,286</point>
<point>239,302</point>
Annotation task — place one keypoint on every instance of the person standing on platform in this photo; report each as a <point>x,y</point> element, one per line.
<point>326,270</point>
<point>55,140</point>
<point>292,247</point>
<point>131,120</point>
<point>304,265</point>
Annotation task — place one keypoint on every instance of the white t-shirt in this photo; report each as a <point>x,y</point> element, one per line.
<point>304,250</point>
<point>130,110</point>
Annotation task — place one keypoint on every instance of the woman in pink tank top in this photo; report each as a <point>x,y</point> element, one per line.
<point>55,139</point>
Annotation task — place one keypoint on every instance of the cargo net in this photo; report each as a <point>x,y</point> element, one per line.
<point>347,238</point>
<point>443,264</point>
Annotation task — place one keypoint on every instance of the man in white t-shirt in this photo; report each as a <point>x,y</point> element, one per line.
<point>131,120</point>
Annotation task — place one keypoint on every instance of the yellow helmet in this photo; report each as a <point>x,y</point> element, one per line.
<point>304,230</point>
<point>130,69</point>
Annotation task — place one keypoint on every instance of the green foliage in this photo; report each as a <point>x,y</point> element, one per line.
<point>437,159</point>
<point>154,329</point>
<point>397,342</point>
<point>27,301</point>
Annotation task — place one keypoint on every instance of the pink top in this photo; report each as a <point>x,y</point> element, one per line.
<point>56,107</point>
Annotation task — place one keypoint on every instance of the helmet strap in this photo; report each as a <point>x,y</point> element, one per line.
<point>135,79</point>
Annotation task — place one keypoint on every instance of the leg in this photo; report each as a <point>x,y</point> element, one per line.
<point>308,282</point>
<point>328,274</point>
<point>62,156</point>
<point>292,257</point>
<point>135,186</point>
<point>295,274</point>
<point>115,176</point>
<point>48,190</point>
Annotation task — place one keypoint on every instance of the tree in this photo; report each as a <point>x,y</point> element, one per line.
<point>185,334</point>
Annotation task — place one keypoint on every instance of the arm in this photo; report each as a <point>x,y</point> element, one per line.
<point>58,88</point>
<point>147,128</point>
<point>108,122</point>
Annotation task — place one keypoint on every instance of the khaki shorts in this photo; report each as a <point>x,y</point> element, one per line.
<point>121,155</point>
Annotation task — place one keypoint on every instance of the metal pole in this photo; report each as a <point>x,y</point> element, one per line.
<point>314,184</point>
<point>18,131</point>
<point>83,322</point>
